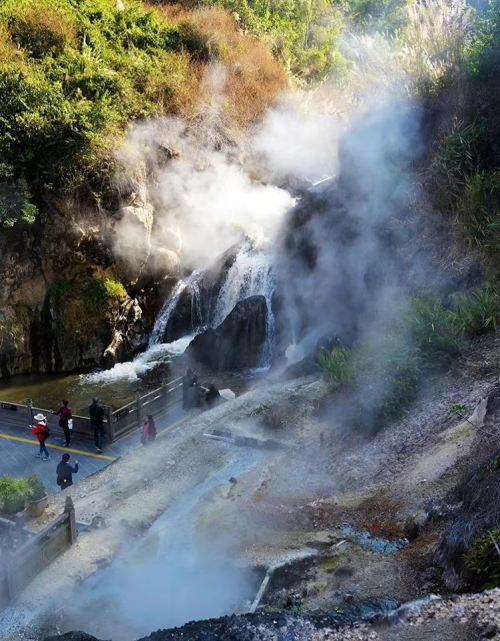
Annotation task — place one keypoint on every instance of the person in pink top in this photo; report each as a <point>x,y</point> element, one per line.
<point>65,415</point>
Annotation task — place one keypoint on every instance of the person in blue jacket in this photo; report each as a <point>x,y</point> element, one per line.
<point>65,472</point>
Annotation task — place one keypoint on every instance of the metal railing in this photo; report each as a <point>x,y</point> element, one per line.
<point>118,423</point>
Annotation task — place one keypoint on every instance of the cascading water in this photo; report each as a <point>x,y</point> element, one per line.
<point>191,283</point>
<point>251,274</point>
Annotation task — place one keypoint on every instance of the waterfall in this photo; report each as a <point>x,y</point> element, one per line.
<point>192,283</point>
<point>251,274</point>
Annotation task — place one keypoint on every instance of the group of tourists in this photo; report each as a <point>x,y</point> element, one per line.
<point>42,431</point>
<point>193,394</point>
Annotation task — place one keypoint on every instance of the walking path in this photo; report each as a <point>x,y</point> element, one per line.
<point>18,449</point>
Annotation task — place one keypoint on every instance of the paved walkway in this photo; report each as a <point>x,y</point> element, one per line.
<point>18,448</point>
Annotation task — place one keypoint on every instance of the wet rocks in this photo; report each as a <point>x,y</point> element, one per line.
<point>238,342</point>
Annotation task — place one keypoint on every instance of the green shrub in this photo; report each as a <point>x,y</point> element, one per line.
<point>337,366</point>
<point>14,204</point>
<point>84,305</point>
<point>484,52</point>
<point>435,330</point>
<point>15,494</point>
<point>483,559</point>
<point>479,312</point>
<point>37,487</point>
<point>456,157</point>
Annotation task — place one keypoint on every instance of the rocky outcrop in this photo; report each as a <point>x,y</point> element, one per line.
<point>238,342</point>
<point>194,308</point>
<point>128,335</point>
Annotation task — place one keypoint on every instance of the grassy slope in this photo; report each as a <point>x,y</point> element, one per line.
<point>74,73</point>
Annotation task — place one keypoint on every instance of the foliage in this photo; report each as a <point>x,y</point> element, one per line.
<point>37,487</point>
<point>434,42</point>
<point>303,32</point>
<point>75,73</point>
<point>338,367</point>
<point>479,311</point>
<point>484,54</point>
<point>386,368</point>
<point>84,305</point>
<point>14,494</point>
<point>455,159</point>
<point>14,204</point>
<point>435,331</point>
<point>483,559</point>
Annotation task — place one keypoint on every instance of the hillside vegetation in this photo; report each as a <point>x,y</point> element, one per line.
<point>75,73</point>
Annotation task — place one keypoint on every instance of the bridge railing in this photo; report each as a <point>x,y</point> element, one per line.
<point>118,423</point>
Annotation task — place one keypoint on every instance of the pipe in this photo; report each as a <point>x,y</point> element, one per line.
<point>261,591</point>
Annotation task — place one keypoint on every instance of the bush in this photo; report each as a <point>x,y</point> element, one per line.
<point>479,312</point>
<point>483,559</point>
<point>14,204</point>
<point>435,330</point>
<point>84,305</point>
<point>337,366</point>
<point>37,487</point>
<point>15,494</point>
<point>274,416</point>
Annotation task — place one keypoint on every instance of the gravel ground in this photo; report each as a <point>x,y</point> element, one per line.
<point>297,492</point>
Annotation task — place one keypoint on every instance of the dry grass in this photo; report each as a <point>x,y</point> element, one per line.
<point>234,76</point>
<point>9,53</point>
<point>42,28</point>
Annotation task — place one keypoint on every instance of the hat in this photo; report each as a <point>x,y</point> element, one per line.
<point>39,417</point>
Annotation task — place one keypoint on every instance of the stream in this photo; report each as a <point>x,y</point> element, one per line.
<point>170,576</point>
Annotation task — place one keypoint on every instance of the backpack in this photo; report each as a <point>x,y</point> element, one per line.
<point>47,432</point>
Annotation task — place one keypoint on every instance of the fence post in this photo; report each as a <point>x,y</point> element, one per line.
<point>69,508</point>
<point>30,410</point>
<point>139,407</point>
<point>111,425</point>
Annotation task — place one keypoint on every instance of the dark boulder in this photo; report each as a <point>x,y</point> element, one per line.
<point>196,304</point>
<point>238,342</point>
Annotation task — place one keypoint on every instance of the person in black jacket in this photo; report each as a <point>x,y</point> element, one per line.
<point>188,381</point>
<point>65,472</point>
<point>96,413</point>
<point>212,397</point>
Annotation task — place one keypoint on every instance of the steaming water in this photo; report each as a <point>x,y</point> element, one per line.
<point>251,274</point>
<point>169,577</point>
<point>192,283</point>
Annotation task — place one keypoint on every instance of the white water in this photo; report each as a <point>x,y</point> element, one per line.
<point>193,284</point>
<point>141,363</point>
<point>251,274</point>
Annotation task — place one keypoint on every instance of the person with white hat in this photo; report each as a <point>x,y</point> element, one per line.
<point>42,432</point>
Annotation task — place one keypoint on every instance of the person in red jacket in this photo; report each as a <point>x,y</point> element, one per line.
<point>65,415</point>
<point>41,431</point>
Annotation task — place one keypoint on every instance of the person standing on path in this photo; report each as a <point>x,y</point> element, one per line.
<point>65,472</point>
<point>188,380</point>
<point>96,413</point>
<point>65,415</point>
<point>42,432</point>
<point>151,428</point>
